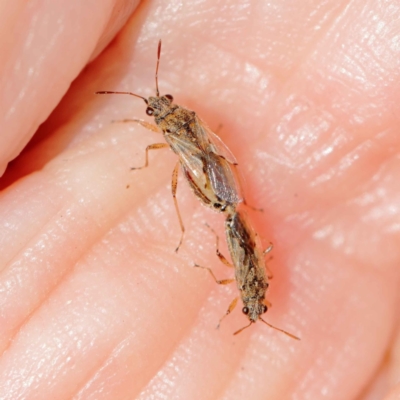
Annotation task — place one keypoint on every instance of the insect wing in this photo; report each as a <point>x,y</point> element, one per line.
<point>211,176</point>
<point>244,246</point>
<point>199,183</point>
<point>222,176</point>
<point>217,145</point>
<point>236,250</point>
<point>190,155</point>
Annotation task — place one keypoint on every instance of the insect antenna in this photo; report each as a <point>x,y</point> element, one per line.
<point>242,329</point>
<point>278,329</point>
<point>130,94</point>
<point>158,63</point>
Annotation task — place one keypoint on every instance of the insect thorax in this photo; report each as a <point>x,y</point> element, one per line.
<point>171,118</point>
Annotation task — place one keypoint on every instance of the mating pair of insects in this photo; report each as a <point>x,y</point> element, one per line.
<point>210,170</point>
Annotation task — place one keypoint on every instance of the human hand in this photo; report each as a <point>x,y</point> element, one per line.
<point>96,304</point>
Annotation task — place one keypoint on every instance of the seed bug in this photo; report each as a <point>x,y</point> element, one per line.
<point>206,163</point>
<point>250,269</point>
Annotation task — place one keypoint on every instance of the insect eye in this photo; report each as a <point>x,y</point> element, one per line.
<point>149,111</point>
<point>169,97</point>
<point>264,309</point>
<point>245,310</point>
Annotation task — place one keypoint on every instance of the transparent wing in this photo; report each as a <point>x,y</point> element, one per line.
<point>190,155</point>
<point>245,246</point>
<point>211,176</point>
<point>223,178</point>
<point>210,170</point>
<point>217,145</point>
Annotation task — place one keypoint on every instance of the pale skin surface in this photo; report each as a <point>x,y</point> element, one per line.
<point>95,304</point>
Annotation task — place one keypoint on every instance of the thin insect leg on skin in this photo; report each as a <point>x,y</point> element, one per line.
<point>174,188</point>
<point>174,184</point>
<point>267,303</point>
<point>145,124</point>
<point>218,281</point>
<point>266,251</point>
<point>149,126</point>
<point>154,146</point>
<point>270,274</point>
<point>223,281</point>
<point>223,260</point>
<point>229,310</point>
<point>252,207</point>
<point>219,254</point>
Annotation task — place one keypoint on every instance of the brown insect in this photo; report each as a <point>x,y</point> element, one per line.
<point>207,164</point>
<point>250,269</point>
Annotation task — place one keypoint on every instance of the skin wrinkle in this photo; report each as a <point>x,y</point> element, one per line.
<point>184,350</point>
<point>160,362</point>
<point>346,162</point>
<point>54,289</point>
<point>107,361</point>
<point>329,25</point>
<point>102,232</point>
<point>45,298</point>
<point>319,364</point>
<point>95,371</point>
<point>110,359</point>
<point>380,149</point>
<point>297,66</point>
<point>22,245</point>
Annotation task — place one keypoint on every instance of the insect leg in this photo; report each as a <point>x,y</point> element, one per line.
<point>278,329</point>
<point>242,329</point>
<point>229,310</point>
<point>270,274</point>
<point>154,146</point>
<point>174,187</point>
<point>219,254</point>
<point>266,251</point>
<point>145,124</point>
<point>251,207</point>
<point>269,248</point>
<point>219,281</point>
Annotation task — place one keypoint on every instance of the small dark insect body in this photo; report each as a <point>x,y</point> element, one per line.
<point>209,173</point>
<point>250,269</point>
<point>249,263</point>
